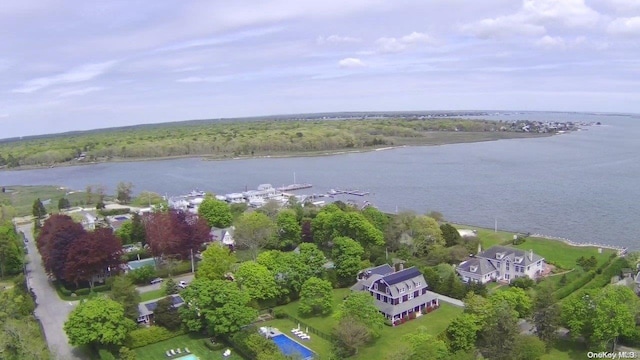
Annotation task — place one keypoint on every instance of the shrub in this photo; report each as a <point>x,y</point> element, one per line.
<point>574,286</point>
<point>150,335</point>
<point>280,314</point>
<point>113,212</point>
<point>213,346</point>
<point>388,322</point>
<point>523,282</point>
<point>142,275</point>
<point>82,292</point>
<point>105,354</point>
<point>63,290</point>
<point>604,278</point>
<point>180,268</point>
<point>519,240</point>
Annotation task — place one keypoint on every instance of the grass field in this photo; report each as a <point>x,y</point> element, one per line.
<point>153,294</point>
<point>22,197</point>
<point>435,323</point>
<point>195,344</point>
<point>561,254</point>
<point>488,237</point>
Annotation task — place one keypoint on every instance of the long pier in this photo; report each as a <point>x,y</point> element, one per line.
<point>350,192</point>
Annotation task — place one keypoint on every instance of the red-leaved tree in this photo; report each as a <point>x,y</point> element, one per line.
<point>92,256</point>
<point>175,234</point>
<point>56,237</point>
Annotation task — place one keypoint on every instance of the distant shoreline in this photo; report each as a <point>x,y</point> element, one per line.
<point>213,157</point>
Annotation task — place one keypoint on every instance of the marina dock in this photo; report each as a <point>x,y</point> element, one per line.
<point>349,192</point>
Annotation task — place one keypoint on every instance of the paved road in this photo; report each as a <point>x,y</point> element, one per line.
<point>50,309</point>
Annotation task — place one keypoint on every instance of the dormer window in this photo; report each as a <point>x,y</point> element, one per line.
<point>418,284</point>
<point>409,286</point>
<point>499,256</point>
<point>518,259</point>
<point>401,290</point>
<point>473,268</point>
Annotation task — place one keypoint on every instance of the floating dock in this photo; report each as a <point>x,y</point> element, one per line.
<point>349,192</point>
<point>293,187</point>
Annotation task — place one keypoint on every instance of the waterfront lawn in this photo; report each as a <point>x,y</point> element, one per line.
<point>194,342</point>
<point>488,237</point>
<point>317,344</point>
<point>560,254</point>
<point>22,197</point>
<point>151,295</point>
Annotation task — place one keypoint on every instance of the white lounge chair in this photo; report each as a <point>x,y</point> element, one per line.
<point>187,350</point>
<point>173,352</point>
<point>169,354</point>
<point>295,330</point>
<point>179,351</point>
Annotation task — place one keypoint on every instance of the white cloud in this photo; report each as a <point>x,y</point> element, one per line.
<point>551,42</point>
<point>351,63</point>
<point>79,74</point>
<point>336,39</point>
<point>392,44</point>
<point>534,17</point>
<point>206,79</point>
<point>625,5</point>
<point>629,26</point>
<point>79,91</point>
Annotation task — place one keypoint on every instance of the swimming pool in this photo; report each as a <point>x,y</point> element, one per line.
<point>289,347</point>
<point>188,357</point>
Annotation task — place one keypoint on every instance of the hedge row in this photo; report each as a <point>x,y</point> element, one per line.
<point>181,268</point>
<point>83,291</point>
<point>113,212</point>
<point>574,286</point>
<point>150,335</point>
<point>604,278</point>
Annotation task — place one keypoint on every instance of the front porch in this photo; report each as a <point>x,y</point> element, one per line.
<point>413,313</point>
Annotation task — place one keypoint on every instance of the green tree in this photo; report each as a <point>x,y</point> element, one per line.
<point>126,354</point>
<point>331,222</point>
<point>142,275</point>
<point>124,232</point>
<point>456,289</point>
<point>601,315</point>
<point>498,335</point>
<point>38,211</point>
<point>462,332</point>
<point>138,232</point>
<point>20,339</point>
<point>98,321</point>
<point>346,255</point>
<point>425,346</point>
<point>216,212</point>
<point>290,271</point>
<point>171,287</point>
<point>376,217</point>
<point>349,335</point>
<point>217,261</point>
<point>316,298</point>
<point>289,229</point>
<point>360,306</point>
<point>63,203</point>
<point>425,233</point>
<point>254,231</point>
<point>166,315</point>
<point>546,315</point>
<point>529,348</point>
<point>313,258</point>
<point>123,192</point>
<point>451,235</point>
<point>517,298</point>
<point>124,292</point>
<point>218,306</point>
<point>256,280</point>
<point>11,256</point>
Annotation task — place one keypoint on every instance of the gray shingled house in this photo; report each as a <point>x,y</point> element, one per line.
<point>501,263</point>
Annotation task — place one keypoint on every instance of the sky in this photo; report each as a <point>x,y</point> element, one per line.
<point>77,65</point>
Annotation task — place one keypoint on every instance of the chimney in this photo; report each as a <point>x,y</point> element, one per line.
<point>530,254</point>
<point>479,248</point>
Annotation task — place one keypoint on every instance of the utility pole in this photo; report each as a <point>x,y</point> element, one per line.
<point>495,229</point>
<point>192,263</point>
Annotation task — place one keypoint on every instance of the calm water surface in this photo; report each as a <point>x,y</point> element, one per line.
<point>583,186</point>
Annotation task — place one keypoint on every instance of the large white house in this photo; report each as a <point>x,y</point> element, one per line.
<point>501,263</point>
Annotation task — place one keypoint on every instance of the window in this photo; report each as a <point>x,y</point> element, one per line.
<point>375,286</point>
<point>401,290</point>
<point>506,276</point>
<point>378,296</point>
<point>410,296</point>
<point>400,300</point>
<point>507,265</point>
<point>418,284</point>
<point>409,286</point>
<point>528,268</point>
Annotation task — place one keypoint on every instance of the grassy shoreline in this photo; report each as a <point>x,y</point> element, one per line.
<point>438,139</point>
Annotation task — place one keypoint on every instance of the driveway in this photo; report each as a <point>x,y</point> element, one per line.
<point>50,309</point>
<point>146,288</point>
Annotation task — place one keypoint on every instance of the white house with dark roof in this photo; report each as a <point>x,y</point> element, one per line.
<point>223,236</point>
<point>398,295</point>
<point>501,263</point>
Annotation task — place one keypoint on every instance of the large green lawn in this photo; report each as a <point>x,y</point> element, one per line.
<point>561,254</point>
<point>151,295</point>
<point>195,344</point>
<point>391,337</point>
<point>488,237</point>
<point>434,322</point>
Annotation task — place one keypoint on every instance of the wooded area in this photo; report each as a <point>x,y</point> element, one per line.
<point>233,139</point>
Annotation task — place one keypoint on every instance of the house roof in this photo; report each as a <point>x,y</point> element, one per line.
<point>402,275</point>
<point>478,266</point>
<point>148,307</point>
<point>511,254</point>
<point>384,269</point>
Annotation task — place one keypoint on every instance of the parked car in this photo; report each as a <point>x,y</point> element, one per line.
<point>183,284</point>
<point>156,281</point>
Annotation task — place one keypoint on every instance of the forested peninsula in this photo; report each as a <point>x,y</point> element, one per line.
<point>217,139</point>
